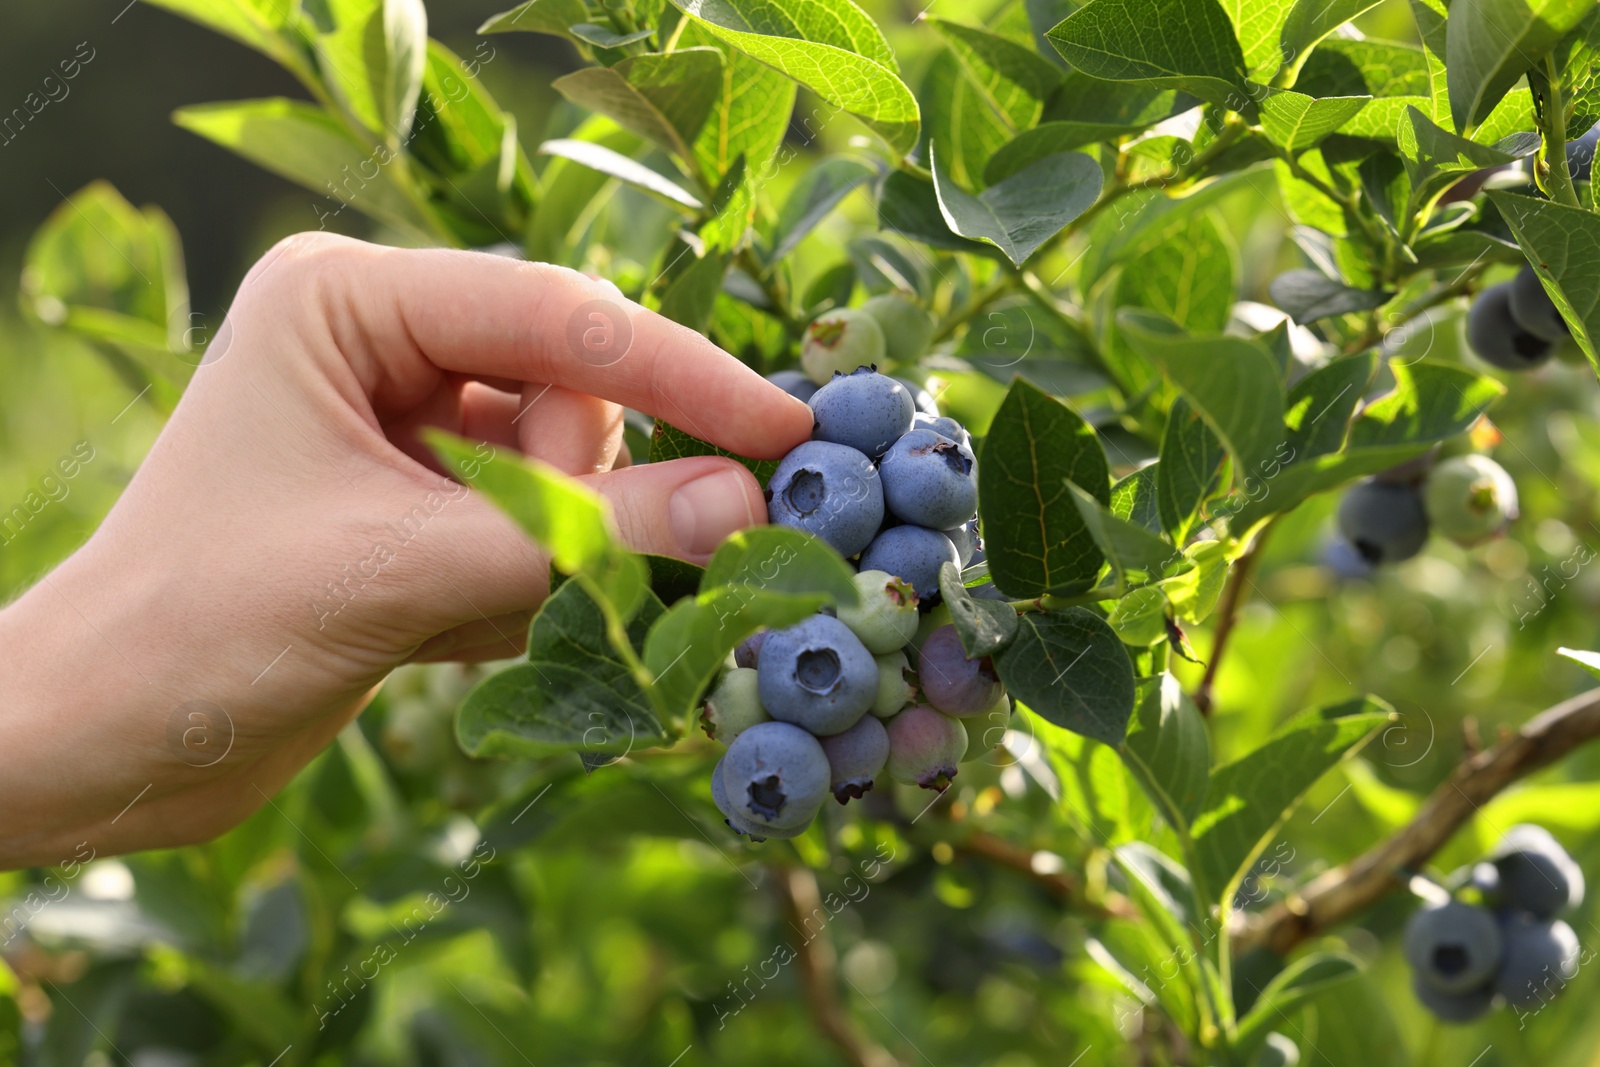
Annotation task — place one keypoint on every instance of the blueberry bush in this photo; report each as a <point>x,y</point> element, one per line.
<point>1150,343</point>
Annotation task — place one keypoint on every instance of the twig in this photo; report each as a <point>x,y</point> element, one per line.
<point>1228,616</point>
<point>797,888</point>
<point>1340,893</point>
<point>1061,884</point>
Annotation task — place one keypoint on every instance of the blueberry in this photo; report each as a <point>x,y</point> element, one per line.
<point>1384,522</point>
<point>863,409</point>
<point>1536,874</point>
<point>736,822</point>
<point>931,621</point>
<point>912,553</point>
<point>817,675</point>
<point>1494,336</point>
<point>943,425</point>
<point>950,681</point>
<point>924,400</point>
<point>1341,557</point>
<point>987,729</point>
<point>1580,154</point>
<point>1533,310</point>
<point>794,383</point>
<point>965,538</point>
<point>1453,947</point>
<point>1453,1007</point>
<point>1469,498</point>
<point>748,654</point>
<point>925,746</point>
<point>895,690</point>
<point>828,490</point>
<point>776,777</point>
<point>886,618</point>
<point>930,480</point>
<point>839,341</point>
<point>1540,958</point>
<point>907,329</point>
<point>733,706</point>
<point>856,757</point>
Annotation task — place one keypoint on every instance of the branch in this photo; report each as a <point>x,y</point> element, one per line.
<point>1228,615</point>
<point>797,889</point>
<point>1340,893</point>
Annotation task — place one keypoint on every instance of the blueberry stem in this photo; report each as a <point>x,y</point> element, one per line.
<point>1556,178</point>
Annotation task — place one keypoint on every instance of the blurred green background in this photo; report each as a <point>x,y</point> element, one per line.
<point>618,922</point>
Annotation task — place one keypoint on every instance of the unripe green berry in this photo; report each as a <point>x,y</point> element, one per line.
<point>886,617</point>
<point>1469,498</point>
<point>733,706</point>
<point>839,341</point>
<point>894,690</point>
<point>907,329</point>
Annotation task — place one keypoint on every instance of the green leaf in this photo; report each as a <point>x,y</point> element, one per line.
<point>762,576</point>
<point>1309,295</point>
<point>1140,618</point>
<point>265,25</point>
<point>1257,24</point>
<point>962,128</point>
<point>1435,157</point>
<point>1232,382</point>
<point>1013,80</point>
<point>1193,594</point>
<point>831,47</point>
<point>569,520</point>
<point>1097,794</point>
<point>749,117</point>
<point>1309,21</point>
<point>908,206</point>
<point>1134,498</point>
<point>1082,111</point>
<point>668,442</point>
<point>1563,246</point>
<point>1125,545</point>
<point>1321,403</point>
<point>405,35</point>
<point>665,98</point>
<point>1296,984</point>
<point>573,694</point>
<point>1174,44</point>
<point>614,164</point>
<point>1295,122</point>
<point>689,297</point>
<point>1294,483</point>
<point>605,37</point>
<point>1490,44</point>
<point>984,626</point>
<point>1191,457</point>
<point>1071,670</point>
<point>1590,661</point>
<point>1027,209</point>
<point>1429,402</point>
<point>1034,536</point>
<point>1169,749</point>
<point>538,16</point>
<point>306,145</point>
<point>1149,217</point>
<point>1250,798</point>
<point>819,190</point>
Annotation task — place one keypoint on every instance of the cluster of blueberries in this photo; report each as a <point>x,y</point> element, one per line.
<point>1463,956</point>
<point>1467,499</point>
<point>883,687</point>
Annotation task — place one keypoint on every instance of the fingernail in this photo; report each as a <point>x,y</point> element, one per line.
<point>705,511</point>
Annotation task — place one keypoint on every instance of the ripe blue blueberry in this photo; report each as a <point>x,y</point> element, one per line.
<point>895,690</point>
<point>1453,1007</point>
<point>828,490</point>
<point>817,675</point>
<point>1469,498</point>
<point>924,400</point>
<point>733,706</point>
<point>856,757</point>
<point>1497,339</point>
<point>1540,958</point>
<point>1536,874</point>
<point>1385,522</point>
<point>907,329</point>
<point>775,776</point>
<point>1341,557</point>
<point>925,747</point>
<point>930,480</point>
<point>965,538</point>
<point>1580,154</point>
<point>863,409</point>
<point>950,681</point>
<point>839,341</point>
<point>912,554</point>
<point>1532,308</point>
<point>1452,947</point>
<point>943,425</point>
<point>886,617</point>
<point>794,383</point>
<point>736,822</point>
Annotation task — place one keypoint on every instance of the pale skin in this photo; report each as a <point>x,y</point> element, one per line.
<point>293,453</point>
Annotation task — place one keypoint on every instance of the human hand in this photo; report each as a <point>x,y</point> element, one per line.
<point>289,540</point>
